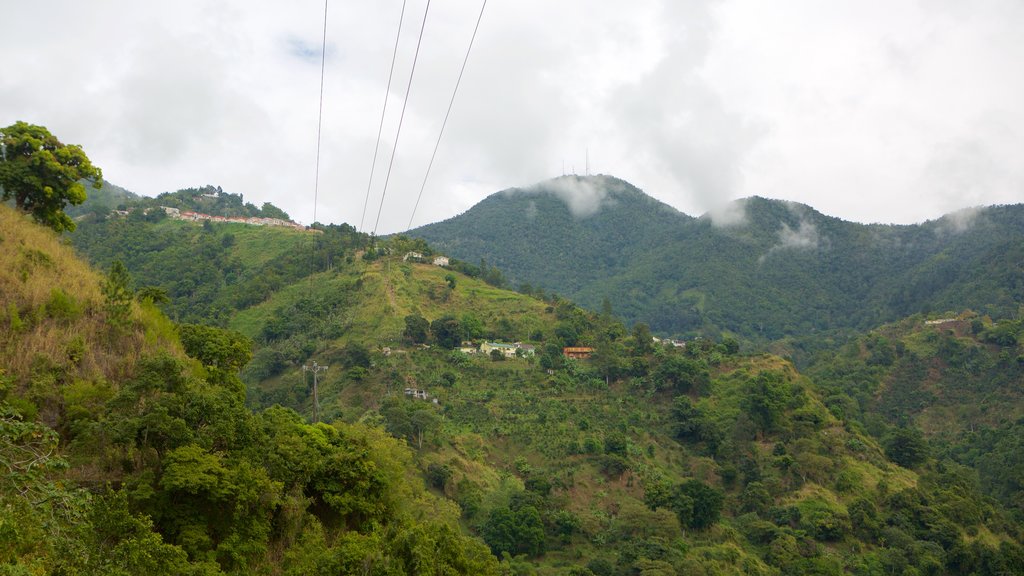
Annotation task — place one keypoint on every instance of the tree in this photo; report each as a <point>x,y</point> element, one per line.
<point>907,447</point>
<point>118,295</point>
<point>416,328</point>
<point>447,332</point>
<point>697,504</point>
<point>43,175</point>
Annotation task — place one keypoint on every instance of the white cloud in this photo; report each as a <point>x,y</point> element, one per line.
<point>874,111</point>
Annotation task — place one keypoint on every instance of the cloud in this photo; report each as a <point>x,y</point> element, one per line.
<point>729,214</point>
<point>804,238</point>
<point>960,221</point>
<point>584,197</point>
<point>901,111</point>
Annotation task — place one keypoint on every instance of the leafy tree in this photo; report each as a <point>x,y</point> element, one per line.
<point>907,447</point>
<point>42,174</point>
<point>225,349</point>
<point>767,399</point>
<point>519,531</point>
<point>416,328</point>
<point>447,332</point>
<point>355,354</point>
<point>682,374</point>
<point>643,344</point>
<point>697,504</point>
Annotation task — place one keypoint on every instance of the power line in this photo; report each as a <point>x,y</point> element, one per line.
<point>320,115</point>
<point>376,147</point>
<point>446,114</point>
<point>401,117</point>
<point>319,125</point>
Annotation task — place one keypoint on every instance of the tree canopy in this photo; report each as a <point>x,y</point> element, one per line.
<point>43,175</point>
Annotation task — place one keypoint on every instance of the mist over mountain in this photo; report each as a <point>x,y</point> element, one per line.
<point>760,268</point>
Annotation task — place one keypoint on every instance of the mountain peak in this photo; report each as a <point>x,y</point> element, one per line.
<point>588,195</point>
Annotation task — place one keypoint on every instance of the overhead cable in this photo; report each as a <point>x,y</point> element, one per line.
<point>446,114</point>
<point>401,117</point>
<point>384,108</point>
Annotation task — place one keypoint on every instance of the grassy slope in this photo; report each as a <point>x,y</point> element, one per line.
<point>52,312</point>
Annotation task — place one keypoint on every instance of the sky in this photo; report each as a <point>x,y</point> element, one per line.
<point>894,111</point>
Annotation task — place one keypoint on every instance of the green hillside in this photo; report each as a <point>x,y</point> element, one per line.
<point>561,235</point>
<point>643,459</point>
<point>211,270</point>
<point>959,379</point>
<point>777,269</point>
<point>123,455</point>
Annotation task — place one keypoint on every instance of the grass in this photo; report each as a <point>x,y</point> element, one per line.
<point>52,317</point>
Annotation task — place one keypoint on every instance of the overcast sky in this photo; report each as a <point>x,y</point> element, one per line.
<point>870,110</point>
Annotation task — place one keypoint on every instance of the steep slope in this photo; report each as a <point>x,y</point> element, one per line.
<point>959,379</point>
<point>123,456</point>
<point>775,269</point>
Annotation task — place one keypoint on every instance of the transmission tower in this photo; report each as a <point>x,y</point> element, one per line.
<point>316,369</point>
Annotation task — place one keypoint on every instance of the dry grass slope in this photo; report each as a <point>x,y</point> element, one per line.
<point>53,328</point>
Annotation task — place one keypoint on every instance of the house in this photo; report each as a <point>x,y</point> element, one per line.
<point>441,261</point>
<point>526,349</point>
<point>577,352</point>
<point>507,350</point>
<point>416,393</point>
<point>414,256</point>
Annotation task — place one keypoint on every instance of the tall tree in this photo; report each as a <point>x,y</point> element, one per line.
<point>42,174</point>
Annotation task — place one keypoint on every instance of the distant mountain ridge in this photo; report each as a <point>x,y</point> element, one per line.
<point>765,269</point>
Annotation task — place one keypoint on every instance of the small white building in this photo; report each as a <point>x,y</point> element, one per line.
<point>441,261</point>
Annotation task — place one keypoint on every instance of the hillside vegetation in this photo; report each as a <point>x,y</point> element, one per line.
<point>645,458</point>
<point>959,380</point>
<point>762,269</point>
<point>122,455</point>
<point>640,460</point>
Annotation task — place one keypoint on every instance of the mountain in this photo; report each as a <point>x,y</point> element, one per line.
<point>644,458</point>
<point>563,234</point>
<point>774,269</point>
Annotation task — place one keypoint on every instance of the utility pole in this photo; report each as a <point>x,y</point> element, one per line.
<point>316,369</point>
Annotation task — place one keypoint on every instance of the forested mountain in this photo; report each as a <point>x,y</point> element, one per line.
<point>772,269</point>
<point>562,235</point>
<point>642,459</point>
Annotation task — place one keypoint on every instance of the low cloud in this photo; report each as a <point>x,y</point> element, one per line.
<point>583,197</point>
<point>960,221</point>
<point>804,237</point>
<point>729,214</point>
